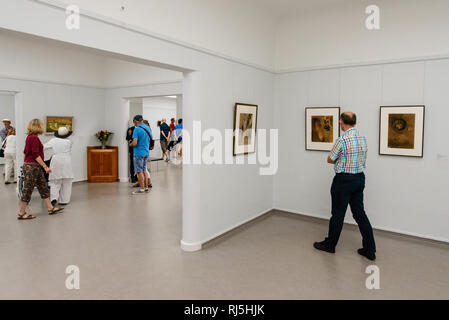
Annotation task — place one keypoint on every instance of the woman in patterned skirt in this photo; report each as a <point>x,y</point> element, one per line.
<point>33,174</point>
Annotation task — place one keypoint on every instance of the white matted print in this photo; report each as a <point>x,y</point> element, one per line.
<point>401,131</point>
<point>322,127</point>
<point>245,123</point>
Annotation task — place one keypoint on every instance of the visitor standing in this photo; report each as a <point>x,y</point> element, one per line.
<point>61,175</point>
<point>178,132</point>
<point>165,138</point>
<point>141,144</point>
<point>10,156</point>
<point>4,131</point>
<point>172,124</point>
<point>348,156</point>
<point>129,138</point>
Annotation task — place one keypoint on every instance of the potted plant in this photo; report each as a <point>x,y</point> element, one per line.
<point>103,137</point>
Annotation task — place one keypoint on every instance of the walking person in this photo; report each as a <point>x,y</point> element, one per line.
<point>32,172</point>
<point>61,175</point>
<point>10,157</point>
<point>141,144</point>
<point>165,138</point>
<point>348,156</point>
<point>173,142</point>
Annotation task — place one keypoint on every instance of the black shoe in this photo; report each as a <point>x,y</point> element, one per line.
<point>370,256</point>
<point>323,247</point>
<point>54,202</point>
<point>6,182</point>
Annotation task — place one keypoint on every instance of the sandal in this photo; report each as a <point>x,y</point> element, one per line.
<point>25,216</point>
<point>55,211</point>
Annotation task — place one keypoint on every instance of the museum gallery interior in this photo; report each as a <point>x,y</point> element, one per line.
<point>240,221</point>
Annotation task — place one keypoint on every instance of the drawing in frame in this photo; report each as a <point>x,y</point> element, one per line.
<point>53,123</point>
<point>322,127</point>
<point>245,125</point>
<point>401,131</point>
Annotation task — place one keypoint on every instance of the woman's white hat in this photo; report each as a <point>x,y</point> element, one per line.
<point>63,132</point>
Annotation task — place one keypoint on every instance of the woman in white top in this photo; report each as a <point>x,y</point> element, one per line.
<point>61,175</point>
<point>10,157</point>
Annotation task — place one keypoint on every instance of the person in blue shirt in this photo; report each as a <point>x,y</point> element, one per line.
<point>141,143</point>
<point>178,132</point>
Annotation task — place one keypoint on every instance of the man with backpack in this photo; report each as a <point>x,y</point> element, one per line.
<point>142,137</point>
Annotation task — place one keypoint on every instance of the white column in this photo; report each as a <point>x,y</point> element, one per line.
<point>179,106</point>
<point>20,130</point>
<point>191,182</point>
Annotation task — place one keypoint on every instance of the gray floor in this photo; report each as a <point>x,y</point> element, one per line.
<point>128,248</point>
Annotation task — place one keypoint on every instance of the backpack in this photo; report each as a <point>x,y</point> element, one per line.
<point>151,138</point>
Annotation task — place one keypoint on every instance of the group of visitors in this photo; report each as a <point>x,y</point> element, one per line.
<point>171,137</point>
<point>139,147</point>
<point>52,178</point>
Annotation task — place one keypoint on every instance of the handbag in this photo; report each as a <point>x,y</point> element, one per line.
<point>2,150</point>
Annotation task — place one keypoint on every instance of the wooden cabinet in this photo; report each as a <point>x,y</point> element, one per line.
<point>102,164</point>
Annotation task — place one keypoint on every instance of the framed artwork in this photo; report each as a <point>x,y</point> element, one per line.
<point>54,123</point>
<point>401,131</point>
<point>245,124</point>
<point>322,127</point>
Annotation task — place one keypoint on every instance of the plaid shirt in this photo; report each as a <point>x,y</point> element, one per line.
<point>349,152</point>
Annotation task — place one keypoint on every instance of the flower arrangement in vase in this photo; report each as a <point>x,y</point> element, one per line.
<point>103,137</point>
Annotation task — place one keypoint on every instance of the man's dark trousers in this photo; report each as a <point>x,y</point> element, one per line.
<point>348,189</point>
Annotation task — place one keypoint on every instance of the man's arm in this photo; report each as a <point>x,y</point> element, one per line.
<point>134,143</point>
<point>335,152</point>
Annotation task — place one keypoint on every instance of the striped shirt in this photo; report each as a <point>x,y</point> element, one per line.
<point>349,152</point>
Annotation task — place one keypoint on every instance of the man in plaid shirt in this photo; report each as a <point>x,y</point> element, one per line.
<point>348,157</point>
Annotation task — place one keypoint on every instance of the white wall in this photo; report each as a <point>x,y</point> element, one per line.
<point>66,64</point>
<point>406,195</point>
<point>119,73</point>
<point>7,110</point>
<point>233,28</point>
<point>40,99</point>
<point>135,108</point>
<point>156,108</point>
<point>336,34</point>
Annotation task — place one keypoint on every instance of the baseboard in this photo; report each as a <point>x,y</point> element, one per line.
<point>236,226</point>
<point>190,246</point>
<point>380,228</point>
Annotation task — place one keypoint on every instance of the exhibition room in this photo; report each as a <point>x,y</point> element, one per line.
<point>259,149</point>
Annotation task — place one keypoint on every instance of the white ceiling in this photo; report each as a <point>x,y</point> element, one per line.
<point>284,8</point>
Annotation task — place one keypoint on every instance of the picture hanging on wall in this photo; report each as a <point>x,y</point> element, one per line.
<point>54,123</point>
<point>322,127</point>
<point>245,124</point>
<point>401,131</point>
